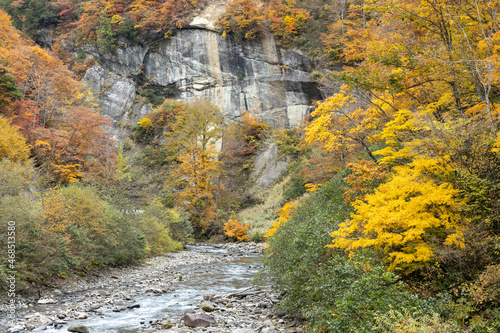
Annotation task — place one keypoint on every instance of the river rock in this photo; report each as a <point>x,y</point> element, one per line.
<point>57,292</point>
<point>15,329</point>
<point>207,307</point>
<point>134,306</point>
<point>81,315</point>
<point>78,329</point>
<point>47,301</point>
<point>198,320</point>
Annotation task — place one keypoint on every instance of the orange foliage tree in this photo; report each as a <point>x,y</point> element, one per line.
<point>242,19</point>
<point>66,135</point>
<point>249,19</point>
<point>284,214</point>
<point>234,229</point>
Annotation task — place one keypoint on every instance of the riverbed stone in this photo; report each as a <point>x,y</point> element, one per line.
<point>79,329</point>
<point>198,320</point>
<point>47,301</point>
<point>207,306</point>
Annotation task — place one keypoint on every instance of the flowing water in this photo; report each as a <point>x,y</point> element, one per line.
<point>214,278</point>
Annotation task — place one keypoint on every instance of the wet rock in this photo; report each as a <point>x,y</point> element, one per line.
<point>57,292</point>
<point>268,323</point>
<point>47,301</point>
<point>134,306</point>
<point>198,320</point>
<point>39,328</point>
<point>82,315</point>
<point>15,329</point>
<point>79,329</point>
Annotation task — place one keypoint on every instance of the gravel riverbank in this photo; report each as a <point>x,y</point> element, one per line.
<point>211,283</point>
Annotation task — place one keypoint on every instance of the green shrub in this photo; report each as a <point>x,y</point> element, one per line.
<point>97,233</point>
<point>181,228</point>
<point>407,322</point>
<point>334,292</point>
<point>488,322</point>
<point>37,248</point>
<point>155,223</point>
<point>288,140</point>
<point>14,177</point>
<point>295,189</point>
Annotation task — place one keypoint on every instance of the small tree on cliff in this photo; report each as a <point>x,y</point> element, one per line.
<point>105,35</point>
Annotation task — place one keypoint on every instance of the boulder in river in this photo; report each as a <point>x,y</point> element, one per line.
<point>198,320</point>
<point>78,329</point>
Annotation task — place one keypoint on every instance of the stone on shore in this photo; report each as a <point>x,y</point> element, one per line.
<point>78,329</point>
<point>198,320</point>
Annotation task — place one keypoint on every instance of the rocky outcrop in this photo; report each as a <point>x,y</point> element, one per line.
<point>269,165</point>
<point>198,62</point>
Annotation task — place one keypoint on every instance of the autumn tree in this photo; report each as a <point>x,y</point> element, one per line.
<point>192,143</point>
<point>249,19</point>
<point>12,144</point>
<point>243,19</point>
<point>343,127</point>
<point>286,20</point>
<point>78,145</point>
<point>425,70</point>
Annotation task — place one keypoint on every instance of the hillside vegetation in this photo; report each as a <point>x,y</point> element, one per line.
<point>388,219</point>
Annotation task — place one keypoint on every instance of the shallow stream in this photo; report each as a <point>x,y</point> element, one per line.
<point>195,280</point>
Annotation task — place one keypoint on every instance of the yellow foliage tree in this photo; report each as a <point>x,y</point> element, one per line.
<point>12,144</point>
<point>341,126</point>
<point>191,144</point>
<point>195,173</point>
<point>404,216</point>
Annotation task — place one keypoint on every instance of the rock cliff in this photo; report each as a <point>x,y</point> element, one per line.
<point>198,62</point>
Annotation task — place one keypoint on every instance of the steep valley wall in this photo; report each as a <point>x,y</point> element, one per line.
<point>198,62</point>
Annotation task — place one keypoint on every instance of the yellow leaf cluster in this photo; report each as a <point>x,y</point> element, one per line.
<point>144,122</point>
<point>12,144</point>
<point>284,214</point>
<point>400,213</point>
<point>68,173</point>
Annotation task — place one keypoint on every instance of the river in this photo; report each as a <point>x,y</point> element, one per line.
<point>155,296</point>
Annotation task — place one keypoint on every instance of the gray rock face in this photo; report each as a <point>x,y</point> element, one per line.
<point>269,165</point>
<point>235,75</point>
<point>115,93</point>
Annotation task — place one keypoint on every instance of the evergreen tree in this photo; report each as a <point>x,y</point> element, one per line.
<point>8,89</point>
<point>105,35</point>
